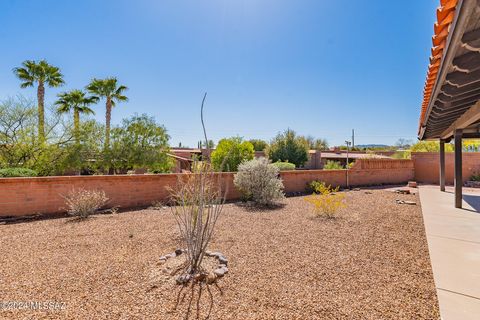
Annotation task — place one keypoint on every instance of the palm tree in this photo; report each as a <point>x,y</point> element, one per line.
<point>43,74</point>
<point>112,93</point>
<point>77,101</point>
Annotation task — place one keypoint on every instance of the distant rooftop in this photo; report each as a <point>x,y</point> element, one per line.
<point>343,155</point>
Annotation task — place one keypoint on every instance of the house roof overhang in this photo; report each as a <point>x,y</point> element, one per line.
<point>452,90</point>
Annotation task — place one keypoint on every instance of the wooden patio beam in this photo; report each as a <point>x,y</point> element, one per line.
<point>472,115</point>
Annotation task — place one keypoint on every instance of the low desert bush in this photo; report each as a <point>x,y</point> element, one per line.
<point>82,203</point>
<point>284,166</point>
<point>332,165</point>
<point>475,176</point>
<point>258,181</point>
<point>17,172</point>
<point>326,201</point>
<point>319,187</point>
<point>405,154</point>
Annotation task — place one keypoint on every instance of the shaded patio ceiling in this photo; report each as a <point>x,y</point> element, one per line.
<point>452,89</point>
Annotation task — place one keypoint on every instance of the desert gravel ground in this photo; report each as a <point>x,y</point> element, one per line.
<point>372,262</point>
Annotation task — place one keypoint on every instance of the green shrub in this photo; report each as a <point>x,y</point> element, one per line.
<point>317,186</point>
<point>284,166</point>
<point>475,177</point>
<point>430,146</point>
<point>287,146</point>
<point>406,154</point>
<point>258,145</point>
<point>17,172</point>
<point>230,153</point>
<point>332,165</point>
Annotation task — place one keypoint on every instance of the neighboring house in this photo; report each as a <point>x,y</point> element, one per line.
<point>189,153</point>
<point>316,159</point>
<point>181,164</point>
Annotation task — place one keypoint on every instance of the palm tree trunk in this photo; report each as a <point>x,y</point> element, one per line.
<point>41,111</point>
<point>108,117</point>
<point>76,125</point>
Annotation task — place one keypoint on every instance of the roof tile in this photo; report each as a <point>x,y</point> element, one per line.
<point>445,16</point>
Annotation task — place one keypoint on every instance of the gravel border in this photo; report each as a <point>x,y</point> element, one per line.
<point>370,263</point>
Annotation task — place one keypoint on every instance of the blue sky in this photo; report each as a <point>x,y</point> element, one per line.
<point>319,67</point>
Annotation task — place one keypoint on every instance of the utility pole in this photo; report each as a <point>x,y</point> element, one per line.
<point>348,143</point>
<point>353,138</point>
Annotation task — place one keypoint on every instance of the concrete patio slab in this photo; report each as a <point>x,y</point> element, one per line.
<point>453,237</point>
<point>457,306</point>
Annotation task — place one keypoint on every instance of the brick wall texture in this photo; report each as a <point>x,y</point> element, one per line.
<point>44,195</point>
<point>427,166</point>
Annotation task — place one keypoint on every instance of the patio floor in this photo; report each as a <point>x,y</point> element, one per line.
<point>453,237</point>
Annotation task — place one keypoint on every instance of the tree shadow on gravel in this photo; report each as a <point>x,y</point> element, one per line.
<point>252,207</point>
<point>189,300</point>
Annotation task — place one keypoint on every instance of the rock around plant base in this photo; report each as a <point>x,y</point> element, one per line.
<point>214,265</point>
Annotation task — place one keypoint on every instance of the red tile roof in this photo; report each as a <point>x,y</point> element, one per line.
<point>445,16</point>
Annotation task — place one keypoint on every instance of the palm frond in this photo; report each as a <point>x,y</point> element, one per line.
<point>85,110</point>
<point>26,84</point>
<point>76,100</point>
<point>107,88</point>
<point>25,75</point>
<point>31,72</point>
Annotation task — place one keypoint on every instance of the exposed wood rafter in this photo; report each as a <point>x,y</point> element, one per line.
<point>469,117</point>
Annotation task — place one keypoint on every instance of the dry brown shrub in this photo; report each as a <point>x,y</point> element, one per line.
<point>82,203</point>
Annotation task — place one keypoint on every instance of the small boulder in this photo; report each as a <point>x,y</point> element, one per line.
<point>219,272</point>
<point>209,253</point>
<point>222,260</point>
<point>405,202</point>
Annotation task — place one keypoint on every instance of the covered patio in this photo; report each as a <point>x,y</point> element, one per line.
<point>453,237</point>
<point>451,111</point>
<point>451,104</point>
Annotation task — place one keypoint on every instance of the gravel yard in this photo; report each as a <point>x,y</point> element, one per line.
<point>372,262</point>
